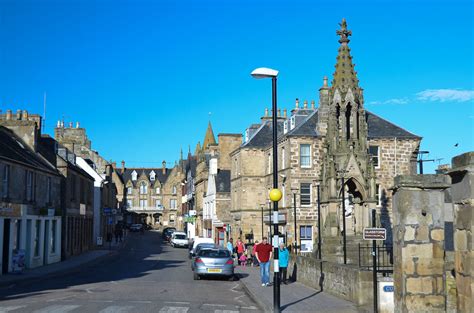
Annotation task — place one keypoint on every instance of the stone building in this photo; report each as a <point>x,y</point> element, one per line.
<point>320,146</point>
<point>30,196</point>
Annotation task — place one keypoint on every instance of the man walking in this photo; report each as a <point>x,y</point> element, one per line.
<point>263,252</point>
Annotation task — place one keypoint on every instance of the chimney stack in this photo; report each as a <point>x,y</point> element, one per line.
<point>164,167</point>
<point>114,165</point>
<point>9,115</point>
<point>284,113</point>
<point>123,166</point>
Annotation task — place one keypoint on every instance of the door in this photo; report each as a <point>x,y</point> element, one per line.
<point>6,245</point>
<point>46,242</point>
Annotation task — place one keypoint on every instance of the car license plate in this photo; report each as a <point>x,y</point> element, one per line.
<point>214,270</point>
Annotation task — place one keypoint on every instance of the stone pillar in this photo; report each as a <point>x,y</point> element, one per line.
<point>418,215</point>
<point>462,191</point>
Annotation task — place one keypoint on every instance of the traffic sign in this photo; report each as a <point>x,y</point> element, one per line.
<point>375,233</point>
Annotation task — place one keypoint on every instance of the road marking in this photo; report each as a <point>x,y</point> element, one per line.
<point>141,301</point>
<point>57,309</point>
<point>218,305</point>
<point>174,309</point>
<point>175,302</point>
<point>11,308</point>
<point>116,309</point>
<point>249,307</point>
<point>225,311</point>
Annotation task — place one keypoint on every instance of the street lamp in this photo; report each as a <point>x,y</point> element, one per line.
<point>294,190</point>
<point>318,185</point>
<point>342,172</point>
<point>259,73</point>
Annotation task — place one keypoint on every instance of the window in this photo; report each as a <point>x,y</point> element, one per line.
<point>283,158</point>
<point>374,152</point>
<point>53,237</point>
<point>152,176</point>
<point>29,186</point>
<point>134,175</point>
<point>129,203</point>
<point>305,155</point>
<point>143,203</point>
<point>143,188</point>
<point>285,127</point>
<point>306,232</point>
<point>157,203</point>
<point>6,181</point>
<point>37,238</point>
<point>305,194</point>
<point>172,218</point>
<point>129,190</point>
<point>158,190</point>
<point>378,194</point>
<point>292,122</point>
<point>172,203</point>
<point>48,190</point>
<point>174,190</point>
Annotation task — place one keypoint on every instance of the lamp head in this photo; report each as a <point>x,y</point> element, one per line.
<point>264,72</point>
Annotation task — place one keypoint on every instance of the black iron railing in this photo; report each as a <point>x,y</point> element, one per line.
<point>384,256</point>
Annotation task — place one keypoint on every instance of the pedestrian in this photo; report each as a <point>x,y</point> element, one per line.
<point>243,260</point>
<point>117,233</point>
<point>254,257</point>
<point>230,246</point>
<point>263,252</point>
<point>240,247</point>
<point>283,256</point>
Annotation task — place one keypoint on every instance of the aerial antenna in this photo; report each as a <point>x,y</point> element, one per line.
<point>420,160</point>
<point>44,110</point>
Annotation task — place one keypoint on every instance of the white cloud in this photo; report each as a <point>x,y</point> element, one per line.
<point>443,95</point>
<point>390,101</point>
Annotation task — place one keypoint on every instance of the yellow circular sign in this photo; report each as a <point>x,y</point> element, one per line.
<point>275,195</point>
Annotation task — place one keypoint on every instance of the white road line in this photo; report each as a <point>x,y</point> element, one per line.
<point>57,309</point>
<point>5,309</point>
<point>225,311</point>
<point>174,309</point>
<point>175,302</point>
<point>116,309</point>
<point>218,305</point>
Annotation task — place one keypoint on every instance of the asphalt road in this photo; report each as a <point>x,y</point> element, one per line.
<point>146,276</point>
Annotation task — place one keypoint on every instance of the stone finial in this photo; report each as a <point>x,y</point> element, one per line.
<point>305,104</point>
<point>266,112</point>
<point>344,32</point>
<point>297,103</point>
<point>313,104</point>
<point>284,113</point>
<point>325,81</point>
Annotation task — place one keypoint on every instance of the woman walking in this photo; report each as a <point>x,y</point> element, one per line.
<point>283,255</point>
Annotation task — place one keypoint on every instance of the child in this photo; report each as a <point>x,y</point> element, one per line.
<point>243,260</point>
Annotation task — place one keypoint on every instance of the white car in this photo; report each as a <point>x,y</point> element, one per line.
<point>178,239</point>
<point>198,240</point>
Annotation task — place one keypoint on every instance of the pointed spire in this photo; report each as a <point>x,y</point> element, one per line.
<point>198,148</point>
<point>209,139</point>
<point>345,76</point>
<point>181,154</point>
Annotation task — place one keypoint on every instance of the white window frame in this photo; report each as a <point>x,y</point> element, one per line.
<point>157,203</point>
<point>143,203</point>
<point>129,190</point>
<point>292,122</point>
<point>143,188</point>
<point>308,156</point>
<point>310,195</point>
<point>129,203</point>
<point>158,190</point>
<point>378,194</point>
<point>376,165</point>
<point>285,127</point>
<point>134,175</point>
<point>152,176</point>
<point>173,204</point>
<point>283,158</point>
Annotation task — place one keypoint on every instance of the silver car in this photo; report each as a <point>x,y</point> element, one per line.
<point>213,262</point>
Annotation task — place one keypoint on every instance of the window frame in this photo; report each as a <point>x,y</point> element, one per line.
<point>310,188</point>
<point>309,165</point>
<point>306,228</point>
<point>377,157</point>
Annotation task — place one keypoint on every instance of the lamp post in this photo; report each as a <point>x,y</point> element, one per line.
<point>344,247</point>
<point>275,194</point>
<point>294,190</point>
<point>262,205</point>
<point>318,185</point>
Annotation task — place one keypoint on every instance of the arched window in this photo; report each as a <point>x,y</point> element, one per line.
<point>174,190</point>
<point>143,188</point>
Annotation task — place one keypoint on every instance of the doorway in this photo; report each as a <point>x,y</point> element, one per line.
<point>46,242</point>
<point>6,246</point>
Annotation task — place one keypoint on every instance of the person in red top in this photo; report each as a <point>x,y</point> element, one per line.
<point>240,247</point>
<point>263,252</point>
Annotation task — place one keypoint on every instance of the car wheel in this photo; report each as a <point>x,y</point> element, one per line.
<point>196,276</point>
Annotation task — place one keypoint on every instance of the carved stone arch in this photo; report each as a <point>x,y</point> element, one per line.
<point>355,188</point>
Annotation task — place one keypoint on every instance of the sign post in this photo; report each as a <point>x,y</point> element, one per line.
<point>374,234</point>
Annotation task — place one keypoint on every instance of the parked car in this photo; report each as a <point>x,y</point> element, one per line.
<point>136,227</point>
<point>178,239</point>
<point>198,240</point>
<point>200,247</point>
<point>167,232</point>
<point>213,262</point>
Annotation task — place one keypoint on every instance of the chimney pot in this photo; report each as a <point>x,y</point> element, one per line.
<point>297,103</point>
<point>279,112</point>
<point>123,166</point>
<point>305,104</point>
<point>9,115</point>
<point>70,124</point>
<point>313,104</point>
<point>266,111</point>
<point>18,114</point>
<point>284,113</point>
<point>164,167</point>
<point>325,81</point>
<point>77,124</point>
<point>25,115</point>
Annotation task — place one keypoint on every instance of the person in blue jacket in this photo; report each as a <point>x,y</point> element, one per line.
<point>283,256</point>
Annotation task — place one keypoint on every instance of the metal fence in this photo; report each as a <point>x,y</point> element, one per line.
<point>384,256</point>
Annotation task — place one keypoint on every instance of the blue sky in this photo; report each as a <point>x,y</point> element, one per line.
<point>142,76</point>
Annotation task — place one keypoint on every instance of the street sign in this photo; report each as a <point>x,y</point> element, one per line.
<point>281,218</point>
<point>107,210</point>
<point>375,233</point>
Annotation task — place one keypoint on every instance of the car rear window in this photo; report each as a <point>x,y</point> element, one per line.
<point>180,236</point>
<point>214,253</point>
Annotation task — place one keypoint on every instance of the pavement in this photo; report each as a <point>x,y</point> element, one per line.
<point>294,297</point>
<point>73,264</point>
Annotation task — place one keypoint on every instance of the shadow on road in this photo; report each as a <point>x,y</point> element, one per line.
<point>136,259</point>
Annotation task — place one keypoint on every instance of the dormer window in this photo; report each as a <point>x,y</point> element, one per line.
<point>247,135</point>
<point>134,175</point>
<point>285,127</point>
<point>158,190</point>
<point>292,122</point>
<point>152,176</point>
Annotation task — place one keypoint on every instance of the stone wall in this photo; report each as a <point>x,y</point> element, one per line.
<point>418,214</point>
<point>462,191</point>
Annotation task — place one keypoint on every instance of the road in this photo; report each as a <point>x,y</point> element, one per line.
<point>146,276</point>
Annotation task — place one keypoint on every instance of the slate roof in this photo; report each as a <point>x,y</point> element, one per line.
<point>263,136</point>
<point>306,127</point>
<point>381,128</point>
<point>223,181</point>
<point>127,174</point>
<point>14,149</point>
